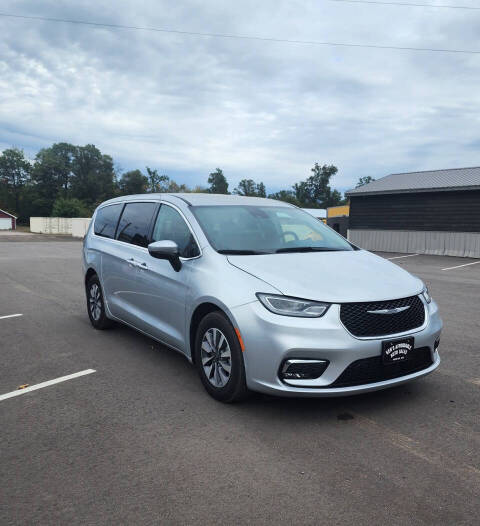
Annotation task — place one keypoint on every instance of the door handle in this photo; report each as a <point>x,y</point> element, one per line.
<point>135,263</point>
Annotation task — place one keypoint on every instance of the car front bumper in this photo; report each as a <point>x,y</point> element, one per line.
<point>271,339</point>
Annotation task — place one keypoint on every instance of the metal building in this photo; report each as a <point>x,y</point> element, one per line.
<point>434,212</point>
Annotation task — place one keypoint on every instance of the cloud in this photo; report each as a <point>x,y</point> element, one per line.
<point>260,110</point>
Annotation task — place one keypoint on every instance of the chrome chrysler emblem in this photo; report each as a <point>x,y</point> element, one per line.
<point>395,310</point>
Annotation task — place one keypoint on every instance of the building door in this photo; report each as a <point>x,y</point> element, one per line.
<point>5,223</point>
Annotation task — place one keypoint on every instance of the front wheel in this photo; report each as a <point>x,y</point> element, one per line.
<point>96,304</point>
<point>219,359</point>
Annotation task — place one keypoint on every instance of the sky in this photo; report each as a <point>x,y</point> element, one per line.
<point>259,110</point>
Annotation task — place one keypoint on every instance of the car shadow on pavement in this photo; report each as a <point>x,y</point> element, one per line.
<point>343,407</point>
<point>297,408</point>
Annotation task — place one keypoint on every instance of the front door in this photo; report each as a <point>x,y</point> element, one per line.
<point>162,291</point>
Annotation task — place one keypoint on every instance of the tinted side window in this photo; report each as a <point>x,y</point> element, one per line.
<point>135,223</point>
<point>106,220</point>
<point>171,226</point>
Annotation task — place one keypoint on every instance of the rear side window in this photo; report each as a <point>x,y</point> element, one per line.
<point>171,226</point>
<point>106,220</point>
<point>135,223</point>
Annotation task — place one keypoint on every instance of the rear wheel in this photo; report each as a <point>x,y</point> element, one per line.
<point>219,359</point>
<point>96,304</point>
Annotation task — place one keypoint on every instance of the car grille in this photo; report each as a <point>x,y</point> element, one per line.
<point>372,370</point>
<point>360,322</point>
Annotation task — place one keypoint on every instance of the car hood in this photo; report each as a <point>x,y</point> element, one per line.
<point>334,277</point>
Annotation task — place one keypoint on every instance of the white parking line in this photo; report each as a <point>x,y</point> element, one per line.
<point>10,316</point>
<point>19,392</point>
<point>407,256</point>
<point>459,266</point>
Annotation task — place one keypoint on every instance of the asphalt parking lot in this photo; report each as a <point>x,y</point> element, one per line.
<point>139,441</point>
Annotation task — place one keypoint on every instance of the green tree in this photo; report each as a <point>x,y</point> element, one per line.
<point>69,171</point>
<point>53,167</point>
<point>31,204</point>
<point>133,182</point>
<point>14,175</point>
<point>285,195</point>
<point>317,186</point>
<point>248,187</point>
<point>364,180</point>
<point>315,191</point>
<point>175,188</point>
<point>155,181</point>
<point>69,207</point>
<point>163,183</point>
<point>93,175</point>
<point>261,190</point>
<point>302,194</point>
<point>218,182</point>
<point>52,173</point>
<point>169,186</point>
<point>334,199</point>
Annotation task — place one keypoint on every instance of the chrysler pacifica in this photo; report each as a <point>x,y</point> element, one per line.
<point>258,294</point>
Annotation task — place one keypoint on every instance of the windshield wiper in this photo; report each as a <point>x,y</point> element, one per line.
<point>308,249</point>
<point>234,252</point>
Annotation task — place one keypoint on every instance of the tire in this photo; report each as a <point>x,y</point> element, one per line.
<point>224,379</point>
<point>96,304</point>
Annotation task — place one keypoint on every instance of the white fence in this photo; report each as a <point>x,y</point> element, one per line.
<point>462,244</point>
<point>74,226</point>
<point>80,226</point>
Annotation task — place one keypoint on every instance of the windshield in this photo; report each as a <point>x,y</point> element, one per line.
<point>265,230</point>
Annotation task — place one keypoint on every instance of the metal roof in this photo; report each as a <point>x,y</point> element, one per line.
<point>430,181</point>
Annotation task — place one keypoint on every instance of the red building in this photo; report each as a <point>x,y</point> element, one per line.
<point>7,221</point>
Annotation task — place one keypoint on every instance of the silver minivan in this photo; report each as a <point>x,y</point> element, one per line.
<point>258,294</point>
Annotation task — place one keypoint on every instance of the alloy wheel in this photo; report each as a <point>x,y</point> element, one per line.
<point>216,357</point>
<point>95,301</point>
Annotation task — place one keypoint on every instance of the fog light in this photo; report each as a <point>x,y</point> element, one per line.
<point>303,369</point>
<point>436,344</point>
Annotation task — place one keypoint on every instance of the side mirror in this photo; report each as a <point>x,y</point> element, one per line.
<point>166,250</point>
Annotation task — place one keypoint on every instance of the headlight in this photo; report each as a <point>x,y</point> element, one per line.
<point>286,306</point>
<point>426,294</point>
